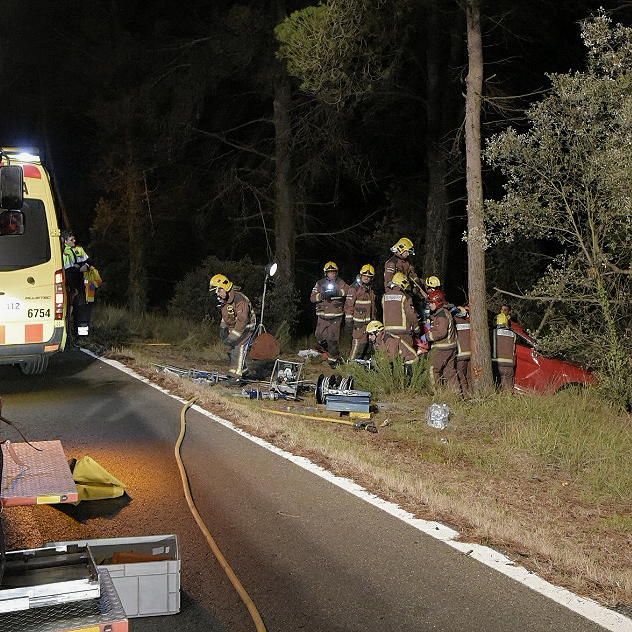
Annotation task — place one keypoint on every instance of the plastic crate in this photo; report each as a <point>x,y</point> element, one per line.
<point>145,588</point>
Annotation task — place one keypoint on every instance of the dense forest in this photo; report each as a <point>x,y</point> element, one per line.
<point>216,136</point>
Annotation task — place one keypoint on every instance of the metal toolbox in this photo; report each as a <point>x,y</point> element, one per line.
<point>34,578</point>
<point>104,614</point>
<point>145,588</point>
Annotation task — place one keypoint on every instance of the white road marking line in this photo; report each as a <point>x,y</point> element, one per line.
<point>589,609</point>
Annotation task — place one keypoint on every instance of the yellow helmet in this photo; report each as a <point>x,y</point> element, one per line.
<point>502,320</point>
<point>330,266</point>
<point>367,269</point>
<point>374,327</point>
<point>401,280</point>
<point>403,245</point>
<point>433,281</point>
<point>220,281</point>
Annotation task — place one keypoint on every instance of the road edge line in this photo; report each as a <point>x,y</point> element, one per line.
<point>587,608</point>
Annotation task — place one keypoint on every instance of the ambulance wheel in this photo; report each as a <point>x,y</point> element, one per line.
<point>35,367</point>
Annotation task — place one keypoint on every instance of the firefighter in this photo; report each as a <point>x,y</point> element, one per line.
<point>329,296</point>
<point>398,312</point>
<point>399,262</point>
<point>76,263</point>
<point>391,344</point>
<point>463,353</point>
<point>443,345</point>
<point>430,283</point>
<point>237,324</point>
<point>360,310</point>
<point>504,349</point>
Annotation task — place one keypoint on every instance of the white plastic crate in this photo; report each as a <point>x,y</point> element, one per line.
<point>145,588</point>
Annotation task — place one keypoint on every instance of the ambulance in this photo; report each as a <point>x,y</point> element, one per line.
<point>32,293</point>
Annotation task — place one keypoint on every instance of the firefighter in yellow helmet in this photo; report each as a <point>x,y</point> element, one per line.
<point>402,250</point>
<point>237,324</point>
<point>392,345</point>
<point>398,312</point>
<point>360,310</point>
<point>329,295</point>
<point>461,315</point>
<point>504,349</point>
<point>443,343</point>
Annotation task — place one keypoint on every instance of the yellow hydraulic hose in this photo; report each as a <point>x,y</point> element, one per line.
<point>241,591</point>
<point>312,417</point>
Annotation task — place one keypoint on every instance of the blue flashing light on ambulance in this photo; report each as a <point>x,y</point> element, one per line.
<point>32,292</point>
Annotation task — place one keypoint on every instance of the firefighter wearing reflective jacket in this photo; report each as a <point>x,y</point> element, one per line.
<point>329,296</point>
<point>360,310</point>
<point>463,353</point>
<point>392,345</point>
<point>398,312</point>
<point>443,345</point>
<point>399,262</point>
<point>504,349</point>
<point>237,324</point>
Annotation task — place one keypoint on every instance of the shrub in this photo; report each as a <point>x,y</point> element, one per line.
<point>192,299</point>
<point>388,377</point>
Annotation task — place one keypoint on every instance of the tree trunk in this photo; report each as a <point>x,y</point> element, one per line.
<point>136,230</point>
<point>481,366</point>
<point>437,200</point>
<point>284,219</point>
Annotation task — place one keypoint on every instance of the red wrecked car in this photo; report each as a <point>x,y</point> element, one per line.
<point>535,372</point>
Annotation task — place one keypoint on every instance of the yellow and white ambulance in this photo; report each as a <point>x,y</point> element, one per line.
<point>32,293</point>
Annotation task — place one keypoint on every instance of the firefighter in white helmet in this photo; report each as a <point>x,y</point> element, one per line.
<point>329,295</point>
<point>237,324</point>
<point>360,310</point>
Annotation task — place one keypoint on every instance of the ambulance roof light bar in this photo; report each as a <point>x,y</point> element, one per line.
<point>21,154</point>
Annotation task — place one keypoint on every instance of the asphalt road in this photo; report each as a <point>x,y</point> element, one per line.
<point>312,556</point>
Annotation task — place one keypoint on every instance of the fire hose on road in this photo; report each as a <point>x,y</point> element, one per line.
<point>234,580</point>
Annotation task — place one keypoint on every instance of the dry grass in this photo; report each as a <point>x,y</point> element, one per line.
<point>546,479</point>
